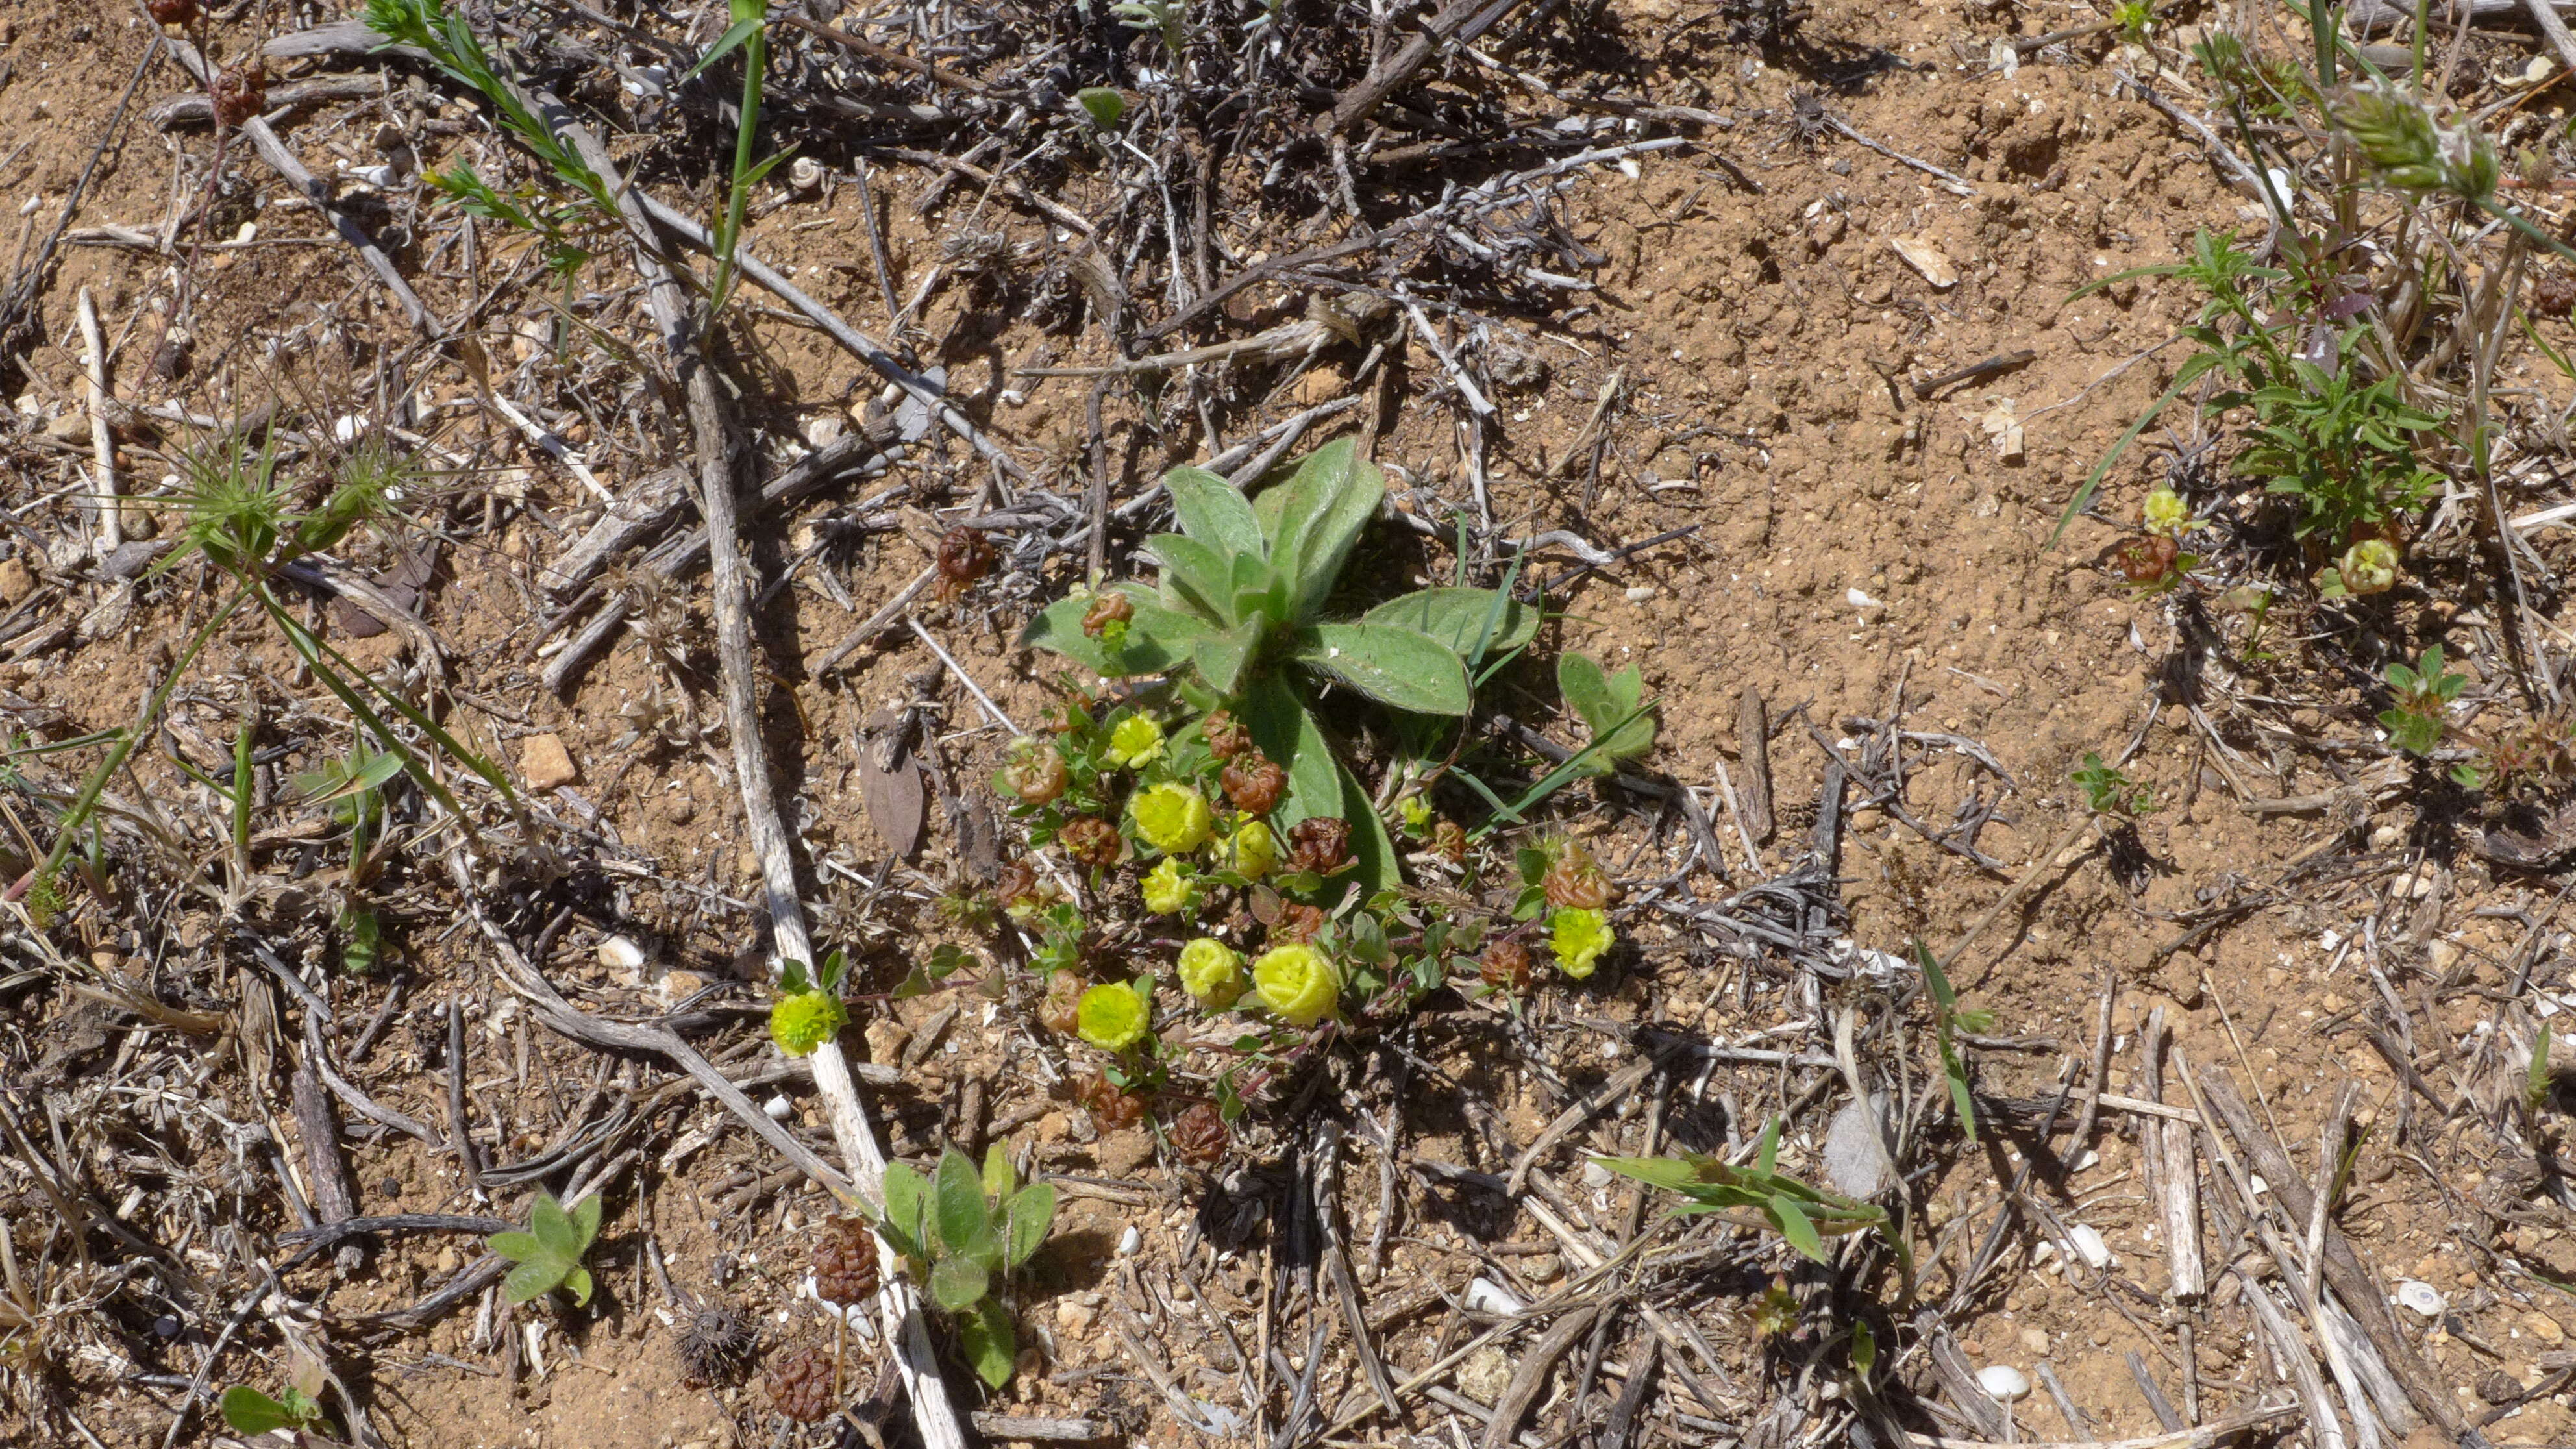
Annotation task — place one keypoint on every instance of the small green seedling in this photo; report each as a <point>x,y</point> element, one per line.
<point>2415,724</point>
<point>248,1411</point>
<point>2535,1077</point>
<point>2108,790</point>
<point>1105,106</point>
<point>1622,726</point>
<point>549,1253</point>
<point>1169,18</point>
<point>1240,608</point>
<point>749,34</point>
<point>1804,1216</point>
<point>964,1232</point>
<point>1948,1020</point>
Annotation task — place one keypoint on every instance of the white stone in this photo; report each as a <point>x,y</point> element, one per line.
<point>2087,1241</point>
<point>1484,1295</point>
<point>2004,1382</point>
<point>620,954</point>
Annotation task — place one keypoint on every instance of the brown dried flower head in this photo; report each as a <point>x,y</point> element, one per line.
<point>1296,923</point>
<point>1091,841</point>
<point>965,555</point>
<point>240,92</point>
<point>1226,736</point>
<point>1505,966</point>
<point>799,1382</point>
<point>1574,879</point>
<point>1111,1110</point>
<point>1037,776</point>
<point>1062,1008</point>
<point>1319,843</point>
<point>1106,609</point>
<point>2146,560</point>
<point>173,12</point>
<point>2553,293</point>
<point>1199,1135</point>
<point>845,1261</point>
<point>1449,841</point>
<point>1254,782</point>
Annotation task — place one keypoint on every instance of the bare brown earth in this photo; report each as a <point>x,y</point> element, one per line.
<point>1855,550</point>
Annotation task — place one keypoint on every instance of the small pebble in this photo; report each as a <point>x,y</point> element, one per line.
<point>620,954</point>
<point>1129,1241</point>
<point>2004,1382</point>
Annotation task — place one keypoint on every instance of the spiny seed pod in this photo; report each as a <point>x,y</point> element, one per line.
<point>715,1344</point>
<point>1038,776</point>
<point>1319,843</point>
<point>845,1262</point>
<point>1449,842</point>
<point>965,555</point>
<point>1106,609</point>
<point>240,92</point>
<point>1199,1135</point>
<point>173,12</point>
<point>1296,923</point>
<point>1254,782</point>
<point>800,1383</point>
<point>1505,966</point>
<point>1226,736</point>
<point>1574,880</point>
<point>1090,840</point>
<point>1111,1109</point>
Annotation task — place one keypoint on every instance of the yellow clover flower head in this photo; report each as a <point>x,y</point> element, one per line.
<point>1169,889</point>
<point>1174,818</point>
<point>1298,983</point>
<point>805,1020</point>
<point>1256,849</point>
<point>1579,935</point>
<point>1212,972</point>
<point>2370,567</point>
<point>1112,1017</point>
<point>2165,513</point>
<point>1136,742</point>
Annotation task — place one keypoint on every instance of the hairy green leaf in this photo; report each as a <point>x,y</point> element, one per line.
<point>1221,658</point>
<point>958,1282</point>
<point>1196,576</point>
<point>965,1225</point>
<point>1458,618</point>
<point>1391,664</point>
<point>1215,512</point>
<point>1032,1213</point>
<point>1604,701</point>
<point>990,1344</point>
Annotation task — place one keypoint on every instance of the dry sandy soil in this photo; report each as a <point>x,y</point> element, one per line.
<point>1759,305</point>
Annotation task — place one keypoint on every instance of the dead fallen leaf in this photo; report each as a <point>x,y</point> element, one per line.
<point>890,783</point>
<point>2003,425</point>
<point>1927,259</point>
